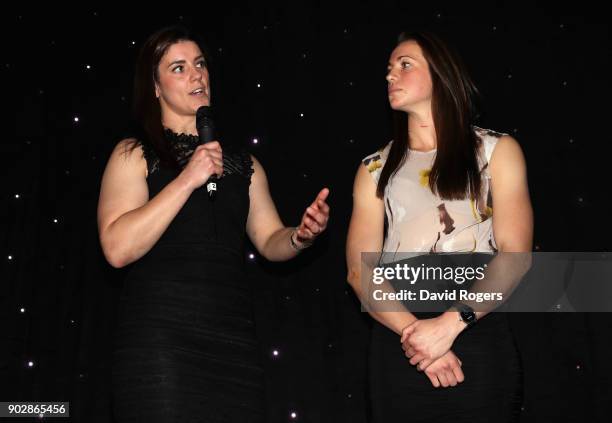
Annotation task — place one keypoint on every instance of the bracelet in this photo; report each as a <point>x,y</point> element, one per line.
<point>295,246</point>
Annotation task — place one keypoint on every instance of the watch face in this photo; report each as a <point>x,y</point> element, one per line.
<point>468,316</point>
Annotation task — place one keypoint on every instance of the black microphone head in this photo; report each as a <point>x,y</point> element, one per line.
<point>203,112</point>
<point>204,124</point>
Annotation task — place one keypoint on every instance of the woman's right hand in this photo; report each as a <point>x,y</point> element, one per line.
<point>206,160</point>
<point>445,371</point>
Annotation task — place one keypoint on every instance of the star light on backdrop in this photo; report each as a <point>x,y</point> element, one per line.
<point>81,117</point>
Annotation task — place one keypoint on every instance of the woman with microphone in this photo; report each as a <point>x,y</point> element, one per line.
<point>185,345</point>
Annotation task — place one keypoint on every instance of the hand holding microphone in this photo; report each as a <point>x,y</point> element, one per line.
<point>206,131</point>
<point>206,162</point>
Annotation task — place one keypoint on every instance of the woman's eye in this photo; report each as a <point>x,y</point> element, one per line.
<point>202,64</point>
<point>405,65</point>
<point>178,68</point>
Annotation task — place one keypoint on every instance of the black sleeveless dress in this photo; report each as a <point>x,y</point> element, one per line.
<point>185,348</point>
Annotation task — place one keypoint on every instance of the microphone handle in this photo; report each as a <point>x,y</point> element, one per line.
<point>207,134</point>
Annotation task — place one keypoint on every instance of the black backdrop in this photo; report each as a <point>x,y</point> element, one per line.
<point>307,81</point>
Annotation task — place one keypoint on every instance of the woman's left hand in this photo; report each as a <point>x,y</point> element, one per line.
<point>426,340</point>
<point>314,220</point>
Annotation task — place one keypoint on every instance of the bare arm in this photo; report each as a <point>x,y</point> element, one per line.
<point>129,224</point>
<point>512,212</point>
<point>265,228</point>
<point>366,235</point>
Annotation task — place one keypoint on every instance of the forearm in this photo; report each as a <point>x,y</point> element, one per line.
<point>133,234</point>
<point>503,273</point>
<point>278,247</point>
<point>395,320</point>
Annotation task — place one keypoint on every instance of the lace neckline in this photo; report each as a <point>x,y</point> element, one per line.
<point>182,145</point>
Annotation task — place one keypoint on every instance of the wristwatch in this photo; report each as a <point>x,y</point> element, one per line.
<point>466,314</point>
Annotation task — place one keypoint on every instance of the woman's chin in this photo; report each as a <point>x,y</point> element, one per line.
<point>203,101</point>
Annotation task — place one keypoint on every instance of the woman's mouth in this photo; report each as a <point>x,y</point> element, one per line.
<point>198,92</point>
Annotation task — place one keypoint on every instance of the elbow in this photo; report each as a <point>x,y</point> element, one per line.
<point>352,278</point>
<point>114,258</point>
<point>114,255</point>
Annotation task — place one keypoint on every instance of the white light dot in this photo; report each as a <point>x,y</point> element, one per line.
<point>349,396</point>
<point>54,220</point>
<point>275,353</point>
<point>571,140</point>
<point>578,367</point>
<point>293,415</point>
<point>16,195</point>
<point>255,140</point>
<point>88,66</point>
<point>258,85</point>
<point>494,28</point>
<point>565,83</point>
<point>509,76</point>
<point>22,310</point>
<point>251,256</point>
<point>76,118</point>
<point>10,257</point>
<point>30,364</point>
<point>301,114</point>
<point>133,43</point>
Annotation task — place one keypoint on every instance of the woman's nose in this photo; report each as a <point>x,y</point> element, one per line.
<point>196,74</point>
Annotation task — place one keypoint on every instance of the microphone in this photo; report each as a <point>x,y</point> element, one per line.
<point>206,133</point>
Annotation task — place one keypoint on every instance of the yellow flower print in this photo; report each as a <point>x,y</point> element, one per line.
<point>374,164</point>
<point>424,177</point>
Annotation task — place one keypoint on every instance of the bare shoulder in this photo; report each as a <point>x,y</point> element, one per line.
<point>507,154</point>
<point>258,170</point>
<point>129,152</point>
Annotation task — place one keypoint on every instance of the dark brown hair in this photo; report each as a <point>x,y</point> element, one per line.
<point>145,105</point>
<point>455,173</point>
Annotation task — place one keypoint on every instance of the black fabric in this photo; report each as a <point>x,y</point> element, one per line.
<point>491,391</point>
<point>185,347</point>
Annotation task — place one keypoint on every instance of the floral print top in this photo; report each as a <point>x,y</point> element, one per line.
<point>418,221</point>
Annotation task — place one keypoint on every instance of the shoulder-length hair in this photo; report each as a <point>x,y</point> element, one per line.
<point>455,173</point>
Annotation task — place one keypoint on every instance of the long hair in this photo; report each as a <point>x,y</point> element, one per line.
<point>455,173</point>
<point>145,105</point>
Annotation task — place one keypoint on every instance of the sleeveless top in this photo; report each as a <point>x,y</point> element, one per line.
<point>202,226</point>
<point>419,220</point>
